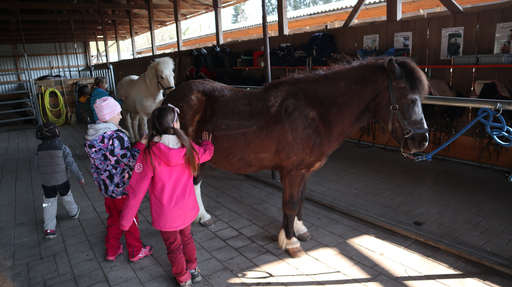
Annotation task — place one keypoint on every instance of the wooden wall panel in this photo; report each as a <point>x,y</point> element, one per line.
<point>419,30</point>
<point>349,43</point>
<point>462,78</point>
<point>485,44</point>
<point>435,26</point>
<point>379,29</point>
<point>339,37</point>
<point>361,31</point>
<point>392,28</point>
<point>505,75</point>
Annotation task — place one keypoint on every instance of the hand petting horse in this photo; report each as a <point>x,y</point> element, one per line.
<point>292,125</point>
<point>143,94</point>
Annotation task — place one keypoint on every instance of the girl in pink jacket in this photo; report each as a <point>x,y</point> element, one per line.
<point>166,167</point>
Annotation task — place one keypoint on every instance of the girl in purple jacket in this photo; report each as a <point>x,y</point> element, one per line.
<point>112,160</point>
<point>166,167</point>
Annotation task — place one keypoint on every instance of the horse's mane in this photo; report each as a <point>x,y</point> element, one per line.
<point>165,64</point>
<point>415,78</point>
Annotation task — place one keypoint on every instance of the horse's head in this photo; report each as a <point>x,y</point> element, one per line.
<point>404,118</point>
<point>163,69</point>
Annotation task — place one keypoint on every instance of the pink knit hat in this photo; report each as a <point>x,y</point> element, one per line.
<point>106,108</point>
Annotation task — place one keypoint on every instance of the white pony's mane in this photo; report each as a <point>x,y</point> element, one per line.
<point>165,64</point>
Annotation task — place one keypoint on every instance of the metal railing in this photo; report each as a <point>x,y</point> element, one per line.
<point>24,85</point>
<point>436,100</point>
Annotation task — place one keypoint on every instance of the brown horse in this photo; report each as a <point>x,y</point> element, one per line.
<point>292,125</point>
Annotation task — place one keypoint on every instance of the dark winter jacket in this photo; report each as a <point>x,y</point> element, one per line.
<point>54,162</point>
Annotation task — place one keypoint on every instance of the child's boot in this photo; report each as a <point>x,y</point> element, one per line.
<point>196,275</point>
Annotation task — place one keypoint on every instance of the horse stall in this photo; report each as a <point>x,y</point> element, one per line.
<point>353,215</point>
<point>475,146</point>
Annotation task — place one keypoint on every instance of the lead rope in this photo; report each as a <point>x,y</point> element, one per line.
<point>500,130</point>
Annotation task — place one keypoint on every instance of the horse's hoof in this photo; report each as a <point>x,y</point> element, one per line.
<point>296,252</point>
<point>208,223</point>
<point>305,236</point>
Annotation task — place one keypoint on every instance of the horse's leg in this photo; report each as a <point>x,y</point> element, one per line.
<point>135,125</point>
<point>128,121</point>
<point>292,182</point>
<point>301,231</point>
<point>143,119</point>
<point>203,217</point>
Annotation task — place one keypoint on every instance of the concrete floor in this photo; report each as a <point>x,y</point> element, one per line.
<point>461,205</point>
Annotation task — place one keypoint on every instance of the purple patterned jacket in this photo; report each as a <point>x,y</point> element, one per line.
<point>112,158</point>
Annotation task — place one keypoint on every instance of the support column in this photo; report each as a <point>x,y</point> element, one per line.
<point>393,10</point>
<point>282,20</point>
<point>117,41</point>
<point>152,26</point>
<point>132,35</point>
<point>177,22</point>
<point>103,31</point>
<point>76,50</point>
<point>217,5</point>
<point>266,48</point>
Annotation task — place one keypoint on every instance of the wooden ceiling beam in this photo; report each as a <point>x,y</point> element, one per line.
<point>452,6</point>
<point>40,26</point>
<point>79,6</point>
<point>353,14</point>
<point>156,13</point>
<point>67,17</point>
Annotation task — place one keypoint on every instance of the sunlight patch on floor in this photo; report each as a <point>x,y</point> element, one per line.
<point>402,264</point>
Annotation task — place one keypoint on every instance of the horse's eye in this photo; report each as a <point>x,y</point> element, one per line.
<point>412,101</point>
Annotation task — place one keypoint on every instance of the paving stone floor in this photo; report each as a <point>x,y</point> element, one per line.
<point>458,203</point>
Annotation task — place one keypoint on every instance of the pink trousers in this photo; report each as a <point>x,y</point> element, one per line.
<point>181,252</point>
<point>114,232</point>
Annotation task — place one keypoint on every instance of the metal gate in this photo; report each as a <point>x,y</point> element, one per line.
<point>18,82</point>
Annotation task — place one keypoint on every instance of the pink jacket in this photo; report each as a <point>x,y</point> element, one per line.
<point>171,190</point>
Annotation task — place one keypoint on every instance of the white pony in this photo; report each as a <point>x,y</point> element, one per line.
<point>143,94</point>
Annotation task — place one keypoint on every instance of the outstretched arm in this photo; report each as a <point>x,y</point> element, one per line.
<point>205,151</point>
<point>139,184</point>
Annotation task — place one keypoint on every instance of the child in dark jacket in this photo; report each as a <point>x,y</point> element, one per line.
<point>99,92</point>
<point>166,167</point>
<point>84,98</point>
<point>112,161</point>
<point>54,162</point>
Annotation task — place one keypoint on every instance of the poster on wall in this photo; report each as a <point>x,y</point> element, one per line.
<point>503,38</point>
<point>371,42</point>
<point>403,40</point>
<point>451,42</point>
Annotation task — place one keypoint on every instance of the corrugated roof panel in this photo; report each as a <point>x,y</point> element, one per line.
<point>335,6</point>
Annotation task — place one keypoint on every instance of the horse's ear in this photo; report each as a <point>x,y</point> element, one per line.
<point>392,69</point>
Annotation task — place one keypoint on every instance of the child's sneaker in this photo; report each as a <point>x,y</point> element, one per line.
<point>49,234</point>
<point>186,284</point>
<point>144,252</point>
<point>77,213</point>
<point>196,275</point>
<point>113,258</point>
